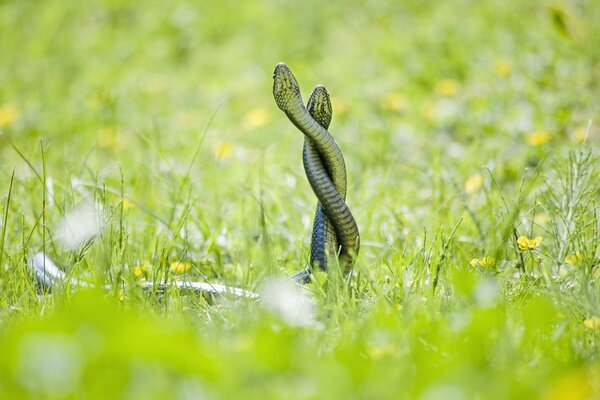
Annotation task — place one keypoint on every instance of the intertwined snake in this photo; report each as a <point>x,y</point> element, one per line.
<point>335,232</point>
<point>325,169</point>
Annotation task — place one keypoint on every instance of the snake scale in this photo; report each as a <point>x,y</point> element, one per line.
<point>335,232</point>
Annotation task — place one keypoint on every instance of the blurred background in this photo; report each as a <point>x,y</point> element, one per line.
<point>92,78</point>
<point>151,128</point>
<point>110,88</point>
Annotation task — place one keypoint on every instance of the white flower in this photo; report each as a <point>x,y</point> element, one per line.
<point>79,225</point>
<point>288,301</point>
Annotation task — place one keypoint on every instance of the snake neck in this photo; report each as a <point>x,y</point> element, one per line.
<point>328,150</point>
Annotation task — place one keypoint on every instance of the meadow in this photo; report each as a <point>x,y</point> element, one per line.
<point>139,141</point>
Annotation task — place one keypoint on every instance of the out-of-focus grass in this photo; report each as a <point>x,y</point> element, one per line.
<point>466,131</point>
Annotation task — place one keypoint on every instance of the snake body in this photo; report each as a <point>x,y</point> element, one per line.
<point>324,245</point>
<point>49,276</point>
<point>325,168</point>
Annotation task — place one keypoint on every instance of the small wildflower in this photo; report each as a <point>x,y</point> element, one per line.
<point>255,118</point>
<point>473,183</point>
<point>502,66</point>
<point>127,204</point>
<point>592,323</point>
<point>573,259</point>
<point>447,87</point>
<point>138,270</point>
<point>430,111</point>
<point>377,352</point>
<point>484,262</point>
<point>538,138</point>
<point>526,244</point>
<point>142,269</point>
<point>9,113</point>
<point>222,150</point>
<point>393,102</point>
<point>107,138</point>
<point>574,385</point>
<point>580,134</point>
<point>178,267</point>
<point>121,295</point>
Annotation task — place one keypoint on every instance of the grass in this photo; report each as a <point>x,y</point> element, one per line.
<point>469,129</point>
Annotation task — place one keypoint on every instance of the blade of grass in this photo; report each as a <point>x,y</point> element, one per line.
<point>5,221</point>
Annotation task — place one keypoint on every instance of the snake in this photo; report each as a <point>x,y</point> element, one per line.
<point>335,232</point>
<point>49,276</point>
<point>324,166</point>
<point>324,244</point>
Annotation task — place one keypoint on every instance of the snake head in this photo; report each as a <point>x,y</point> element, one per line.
<point>285,87</point>
<point>319,106</point>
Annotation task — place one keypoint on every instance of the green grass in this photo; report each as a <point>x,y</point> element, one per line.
<point>465,125</point>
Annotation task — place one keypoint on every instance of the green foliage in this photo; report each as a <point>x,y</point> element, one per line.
<point>470,135</point>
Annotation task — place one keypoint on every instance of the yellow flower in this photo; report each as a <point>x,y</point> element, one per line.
<point>525,243</point>
<point>255,118</point>
<point>9,113</point>
<point>178,267</point>
<point>393,102</point>
<point>138,270</point>
<point>474,183</point>
<point>484,262</point>
<point>573,385</point>
<point>222,150</point>
<point>127,204</point>
<point>377,352</point>
<point>107,138</point>
<point>430,111</point>
<point>447,87</point>
<point>592,323</point>
<point>502,66</point>
<point>580,134</point>
<point>142,268</point>
<point>538,138</point>
<point>573,259</point>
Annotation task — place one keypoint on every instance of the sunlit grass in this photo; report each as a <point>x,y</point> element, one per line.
<point>141,143</point>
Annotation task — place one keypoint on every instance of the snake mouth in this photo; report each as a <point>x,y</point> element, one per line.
<point>282,77</point>
<point>279,68</point>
